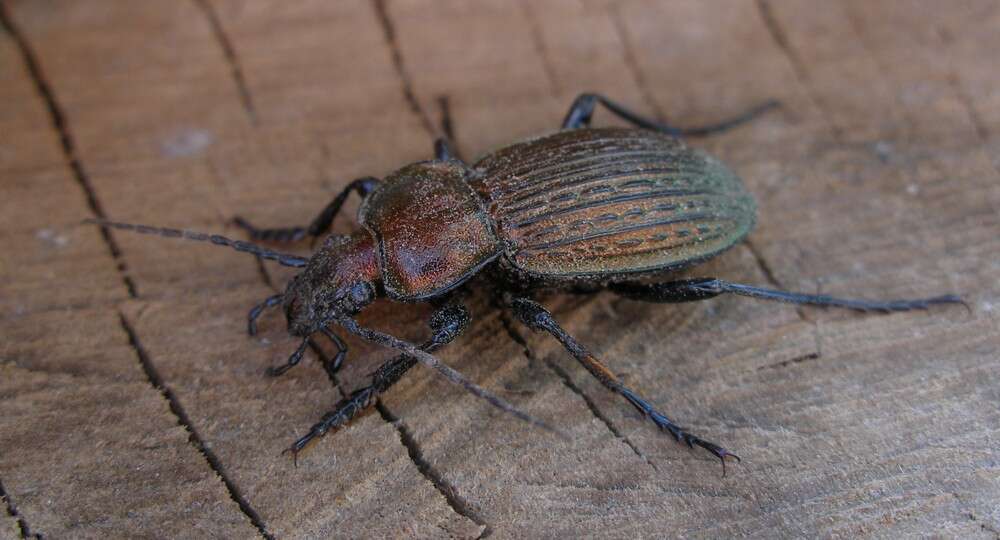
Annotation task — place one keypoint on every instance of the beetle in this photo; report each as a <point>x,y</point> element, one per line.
<point>583,207</point>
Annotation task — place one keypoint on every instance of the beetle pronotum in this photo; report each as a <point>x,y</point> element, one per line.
<point>591,207</point>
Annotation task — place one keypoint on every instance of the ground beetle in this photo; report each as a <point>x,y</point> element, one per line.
<point>580,208</point>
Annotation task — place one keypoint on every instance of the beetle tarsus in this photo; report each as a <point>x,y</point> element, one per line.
<point>295,455</point>
<point>679,433</point>
<point>715,449</point>
<point>345,410</point>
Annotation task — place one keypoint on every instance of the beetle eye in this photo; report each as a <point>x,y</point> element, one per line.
<point>361,293</point>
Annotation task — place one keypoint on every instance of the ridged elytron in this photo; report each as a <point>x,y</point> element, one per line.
<point>584,207</point>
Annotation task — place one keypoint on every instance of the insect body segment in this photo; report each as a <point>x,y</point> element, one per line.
<point>582,208</point>
<point>432,230</point>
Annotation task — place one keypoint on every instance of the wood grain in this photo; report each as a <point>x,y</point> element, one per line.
<point>133,404</point>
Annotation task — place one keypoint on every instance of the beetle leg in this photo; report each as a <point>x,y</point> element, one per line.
<point>443,150</point>
<point>537,317</point>
<point>292,361</point>
<point>333,366</point>
<point>451,374</point>
<point>320,225</point>
<point>447,323</point>
<point>690,290</point>
<point>255,312</point>
<point>582,109</point>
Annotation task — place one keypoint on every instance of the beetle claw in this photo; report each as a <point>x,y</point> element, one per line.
<point>715,449</point>
<point>293,360</point>
<point>298,445</point>
<point>295,455</point>
<point>277,371</point>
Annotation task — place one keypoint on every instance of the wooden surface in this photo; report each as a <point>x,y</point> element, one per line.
<point>132,403</point>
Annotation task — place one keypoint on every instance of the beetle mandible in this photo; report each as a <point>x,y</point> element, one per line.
<point>582,207</point>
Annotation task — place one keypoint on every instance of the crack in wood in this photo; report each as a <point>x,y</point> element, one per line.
<point>264,275</point>
<point>231,57</point>
<point>540,49</point>
<point>628,56</point>
<point>858,27</point>
<point>596,411</point>
<point>568,383</point>
<point>796,360</point>
<point>648,488</point>
<point>440,483</point>
<point>389,31</point>
<point>762,264</point>
<point>966,100</point>
<point>772,279</point>
<point>22,524</point>
<point>780,38</point>
<point>448,126</point>
<point>154,378</point>
<point>59,123</point>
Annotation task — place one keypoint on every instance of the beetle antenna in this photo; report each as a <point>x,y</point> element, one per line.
<point>283,259</point>
<point>445,370</point>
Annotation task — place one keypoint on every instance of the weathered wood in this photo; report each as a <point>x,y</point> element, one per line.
<point>146,411</point>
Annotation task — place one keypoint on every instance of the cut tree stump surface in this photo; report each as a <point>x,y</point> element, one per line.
<point>132,403</point>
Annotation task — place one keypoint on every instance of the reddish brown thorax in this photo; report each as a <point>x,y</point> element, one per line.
<point>432,230</point>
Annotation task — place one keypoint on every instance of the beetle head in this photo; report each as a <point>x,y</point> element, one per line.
<point>340,279</point>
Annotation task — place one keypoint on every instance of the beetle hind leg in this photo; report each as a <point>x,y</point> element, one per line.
<point>582,109</point>
<point>691,290</point>
<point>537,317</point>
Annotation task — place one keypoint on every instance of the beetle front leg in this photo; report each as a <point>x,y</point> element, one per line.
<point>691,290</point>
<point>255,312</point>
<point>447,323</point>
<point>331,366</point>
<point>320,225</point>
<point>582,109</point>
<point>537,317</point>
